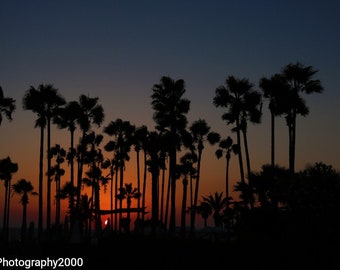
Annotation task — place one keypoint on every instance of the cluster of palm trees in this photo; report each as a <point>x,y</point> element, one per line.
<point>160,148</point>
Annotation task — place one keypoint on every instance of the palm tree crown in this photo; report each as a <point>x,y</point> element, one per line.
<point>7,106</point>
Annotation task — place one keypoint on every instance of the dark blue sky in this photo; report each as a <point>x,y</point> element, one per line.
<point>117,50</point>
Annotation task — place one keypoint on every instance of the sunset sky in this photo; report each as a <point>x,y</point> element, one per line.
<point>117,50</point>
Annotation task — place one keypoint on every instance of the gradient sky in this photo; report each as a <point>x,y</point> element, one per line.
<point>117,50</point>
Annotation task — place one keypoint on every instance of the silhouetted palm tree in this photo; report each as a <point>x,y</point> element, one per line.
<point>170,109</point>
<point>217,203</point>
<point>67,117</point>
<point>246,191</point>
<point>205,210</point>
<point>154,163</point>
<point>59,153</point>
<point>52,100</point>
<point>7,168</point>
<point>33,101</point>
<point>23,188</point>
<point>43,101</point>
<point>7,106</point>
<point>139,138</point>
<point>91,113</point>
<point>230,97</point>
<point>226,146</point>
<point>300,80</point>
<point>122,131</point>
<point>274,89</point>
<point>187,170</point>
<point>251,112</point>
<point>128,192</point>
<point>94,178</point>
<point>201,133</point>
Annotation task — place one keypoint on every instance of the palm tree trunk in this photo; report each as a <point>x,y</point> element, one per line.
<point>8,208</point>
<point>144,189</point>
<point>167,202</point>
<point>57,204</point>
<point>40,203</point>
<point>72,170</point>
<point>227,182</point>
<point>48,210</point>
<point>184,206</point>
<point>138,183</point>
<point>245,140</point>
<point>116,199</point>
<point>154,198</point>
<point>111,199</point>
<point>293,143</point>
<point>272,116</point>
<point>172,221</point>
<point>24,222</point>
<point>193,212</point>
<point>240,151</point>
<point>162,196</point>
<point>121,199</point>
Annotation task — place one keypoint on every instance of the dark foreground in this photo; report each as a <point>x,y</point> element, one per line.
<point>161,252</point>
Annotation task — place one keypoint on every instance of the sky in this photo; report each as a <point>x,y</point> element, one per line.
<point>117,50</point>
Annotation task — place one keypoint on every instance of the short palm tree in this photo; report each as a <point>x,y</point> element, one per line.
<point>217,203</point>
<point>7,168</point>
<point>128,192</point>
<point>200,131</point>
<point>23,188</point>
<point>226,146</point>
<point>59,154</point>
<point>205,210</point>
<point>186,170</point>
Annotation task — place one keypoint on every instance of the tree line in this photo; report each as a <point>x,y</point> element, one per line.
<point>172,151</point>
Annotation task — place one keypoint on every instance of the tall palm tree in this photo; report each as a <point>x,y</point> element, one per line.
<point>91,113</point>
<point>7,106</point>
<point>24,188</point>
<point>217,203</point>
<point>251,112</point>
<point>7,168</point>
<point>67,117</point>
<point>243,104</point>
<point>230,96</point>
<point>170,109</point>
<point>226,146</point>
<point>201,133</point>
<point>33,101</point>
<point>122,131</point>
<point>274,90</point>
<point>95,159</point>
<point>300,80</point>
<point>139,138</point>
<point>52,100</point>
<point>43,100</point>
